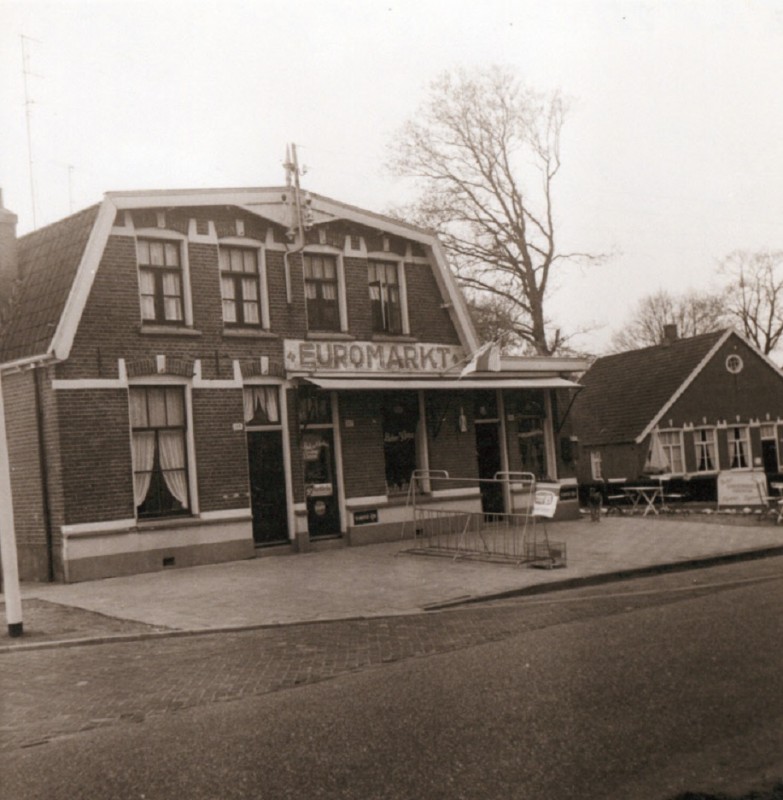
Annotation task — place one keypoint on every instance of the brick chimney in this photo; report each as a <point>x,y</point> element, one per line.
<point>669,334</point>
<point>9,257</point>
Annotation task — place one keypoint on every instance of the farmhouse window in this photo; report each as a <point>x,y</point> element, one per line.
<point>706,450</point>
<point>739,448</point>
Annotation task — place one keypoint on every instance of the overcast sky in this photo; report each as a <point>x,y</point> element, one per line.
<point>673,151</point>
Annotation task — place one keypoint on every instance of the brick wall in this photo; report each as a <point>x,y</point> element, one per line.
<point>221,452</point>
<point>363,463</point>
<point>95,451</point>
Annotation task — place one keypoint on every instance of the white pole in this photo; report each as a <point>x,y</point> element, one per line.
<point>13,599</point>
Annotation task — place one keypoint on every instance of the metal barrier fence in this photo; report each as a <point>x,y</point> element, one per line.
<point>440,527</point>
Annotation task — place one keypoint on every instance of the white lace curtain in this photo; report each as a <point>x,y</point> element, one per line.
<point>158,408</point>
<point>261,405</point>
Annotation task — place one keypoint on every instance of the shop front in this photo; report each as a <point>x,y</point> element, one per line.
<point>371,414</point>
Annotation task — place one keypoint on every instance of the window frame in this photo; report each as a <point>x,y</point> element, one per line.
<point>246,244</point>
<point>715,453</point>
<point>389,260</point>
<point>339,282</point>
<point>189,449</point>
<point>748,455</point>
<point>411,402</point>
<point>596,465</point>
<point>186,302</point>
<point>669,447</point>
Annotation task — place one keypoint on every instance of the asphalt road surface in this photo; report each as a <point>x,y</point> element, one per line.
<point>639,690</point>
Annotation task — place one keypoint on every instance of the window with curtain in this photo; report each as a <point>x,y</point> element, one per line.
<point>321,288</point>
<point>384,287</point>
<point>706,450</point>
<point>160,281</point>
<point>160,474</point>
<point>739,448</point>
<point>261,405</point>
<point>240,286</point>
<point>671,442</point>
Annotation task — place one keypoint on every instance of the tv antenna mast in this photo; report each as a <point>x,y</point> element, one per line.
<point>28,103</point>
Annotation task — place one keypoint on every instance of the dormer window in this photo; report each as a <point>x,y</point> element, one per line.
<point>384,284</point>
<point>240,286</point>
<point>321,292</point>
<point>160,281</point>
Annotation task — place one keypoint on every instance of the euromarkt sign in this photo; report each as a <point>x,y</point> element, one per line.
<point>377,357</point>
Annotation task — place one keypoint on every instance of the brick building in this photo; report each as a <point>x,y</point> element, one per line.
<point>198,376</point>
<point>714,402</point>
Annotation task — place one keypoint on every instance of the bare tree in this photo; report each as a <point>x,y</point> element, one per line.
<point>485,151</point>
<point>693,313</point>
<point>754,295</point>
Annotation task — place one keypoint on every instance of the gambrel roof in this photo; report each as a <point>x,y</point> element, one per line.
<point>58,263</point>
<point>625,394</point>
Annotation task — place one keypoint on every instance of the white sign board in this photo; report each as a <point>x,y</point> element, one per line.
<point>544,504</point>
<point>741,488</point>
<point>370,357</point>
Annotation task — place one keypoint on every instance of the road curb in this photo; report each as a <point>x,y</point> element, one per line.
<point>613,577</point>
<point>523,591</point>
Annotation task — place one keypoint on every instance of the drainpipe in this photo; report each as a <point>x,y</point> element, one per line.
<point>42,465</point>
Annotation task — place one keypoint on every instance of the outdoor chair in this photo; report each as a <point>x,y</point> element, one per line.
<point>616,498</point>
<point>771,503</point>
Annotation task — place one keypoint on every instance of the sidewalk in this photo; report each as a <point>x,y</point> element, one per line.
<point>374,580</point>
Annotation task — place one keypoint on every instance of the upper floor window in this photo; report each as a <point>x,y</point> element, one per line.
<point>160,281</point>
<point>739,448</point>
<point>383,280</point>
<point>321,292</point>
<point>706,450</point>
<point>160,472</point>
<point>240,286</point>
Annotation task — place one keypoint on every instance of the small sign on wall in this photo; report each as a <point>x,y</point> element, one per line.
<point>237,427</point>
<point>365,517</point>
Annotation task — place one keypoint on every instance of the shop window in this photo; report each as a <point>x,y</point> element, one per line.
<point>160,281</point>
<point>262,405</point>
<point>671,442</point>
<point>160,473</point>
<point>739,447</point>
<point>596,467</point>
<point>485,405</point>
<point>240,286</point>
<point>321,292</point>
<point>400,415</point>
<point>706,450</point>
<point>314,407</point>
<point>531,446</point>
<point>385,300</point>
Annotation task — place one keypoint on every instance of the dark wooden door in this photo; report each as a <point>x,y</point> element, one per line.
<point>267,487</point>
<point>488,454</point>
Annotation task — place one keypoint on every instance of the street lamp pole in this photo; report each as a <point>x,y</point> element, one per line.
<point>13,599</point>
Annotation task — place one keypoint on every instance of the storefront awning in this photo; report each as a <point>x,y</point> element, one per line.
<point>434,384</point>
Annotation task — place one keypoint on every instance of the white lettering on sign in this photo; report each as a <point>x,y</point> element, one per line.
<point>370,356</point>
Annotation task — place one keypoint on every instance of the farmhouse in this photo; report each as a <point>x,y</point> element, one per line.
<point>690,408</point>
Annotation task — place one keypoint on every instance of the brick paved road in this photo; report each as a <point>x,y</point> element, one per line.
<point>56,692</point>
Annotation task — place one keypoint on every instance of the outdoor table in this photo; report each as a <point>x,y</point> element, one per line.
<point>647,493</point>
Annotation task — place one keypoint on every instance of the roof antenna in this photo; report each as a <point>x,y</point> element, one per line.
<point>28,102</point>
